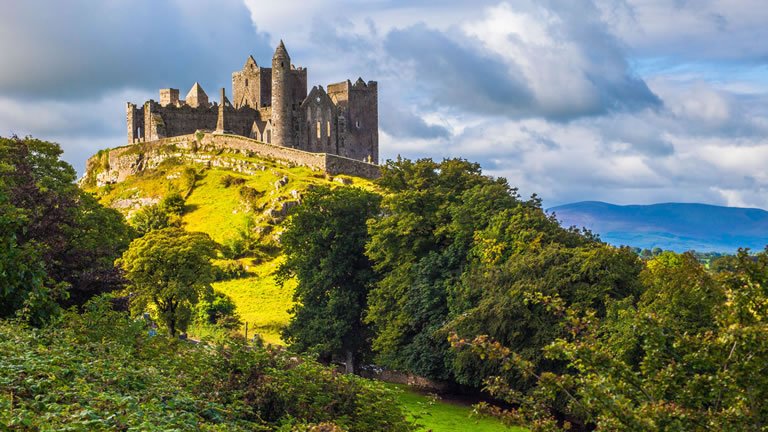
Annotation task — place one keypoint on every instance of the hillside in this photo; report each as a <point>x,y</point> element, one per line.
<point>146,176</point>
<point>670,226</point>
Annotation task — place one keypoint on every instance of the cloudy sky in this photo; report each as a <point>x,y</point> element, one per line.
<point>626,101</point>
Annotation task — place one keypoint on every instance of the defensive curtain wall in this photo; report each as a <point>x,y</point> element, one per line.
<point>129,160</point>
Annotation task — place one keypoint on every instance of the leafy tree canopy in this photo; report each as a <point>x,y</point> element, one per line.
<point>60,243</point>
<point>324,245</point>
<point>169,269</point>
<point>420,245</point>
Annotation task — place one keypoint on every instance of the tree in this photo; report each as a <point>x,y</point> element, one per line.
<point>218,309</point>
<point>150,218</point>
<point>420,245</point>
<point>22,271</point>
<point>690,355</point>
<point>57,232</point>
<point>525,268</point>
<point>324,244</point>
<point>169,269</point>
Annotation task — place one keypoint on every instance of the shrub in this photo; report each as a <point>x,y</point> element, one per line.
<point>173,204</point>
<point>188,180</point>
<point>150,218</point>
<point>229,180</point>
<point>228,269</point>
<point>218,309</point>
<point>250,196</point>
<point>100,370</point>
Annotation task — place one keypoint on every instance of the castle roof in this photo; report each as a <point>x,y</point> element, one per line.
<point>250,63</point>
<point>196,96</point>
<point>281,51</point>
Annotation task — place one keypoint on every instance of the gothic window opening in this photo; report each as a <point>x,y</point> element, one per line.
<point>328,127</point>
<point>318,130</point>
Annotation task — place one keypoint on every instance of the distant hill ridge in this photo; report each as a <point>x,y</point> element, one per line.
<point>670,226</point>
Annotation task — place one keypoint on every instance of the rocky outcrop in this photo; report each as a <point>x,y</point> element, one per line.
<point>212,150</point>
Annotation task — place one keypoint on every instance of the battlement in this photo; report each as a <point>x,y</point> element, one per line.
<point>271,105</point>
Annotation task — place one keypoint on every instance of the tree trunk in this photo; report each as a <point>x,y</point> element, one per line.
<point>350,363</point>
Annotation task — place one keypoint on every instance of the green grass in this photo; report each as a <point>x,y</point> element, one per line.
<point>212,208</point>
<point>260,301</point>
<point>438,415</point>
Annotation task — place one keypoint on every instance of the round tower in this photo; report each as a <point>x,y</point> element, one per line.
<point>281,98</point>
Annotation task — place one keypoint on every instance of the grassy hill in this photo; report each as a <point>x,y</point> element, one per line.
<point>221,211</point>
<point>670,226</point>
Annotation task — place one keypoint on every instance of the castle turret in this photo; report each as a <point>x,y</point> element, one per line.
<point>281,98</point>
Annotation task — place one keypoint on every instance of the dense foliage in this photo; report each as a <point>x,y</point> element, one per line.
<point>324,244</point>
<point>101,371</point>
<point>420,245</point>
<point>59,244</point>
<point>443,272</point>
<point>461,252</point>
<point>689,354</point>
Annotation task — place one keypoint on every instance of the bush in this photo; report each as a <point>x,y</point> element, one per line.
<point>250,196</point>
<point>102,371</point>
<point>218,309</point>
<point>228,269</point>
<point>229,180</point>
<point>188,180</point>
<point>150,218</point>
<point>173,204</point>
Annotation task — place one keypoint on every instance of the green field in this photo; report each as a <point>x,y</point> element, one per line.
<point>260,301</point>
<point>443,416</point>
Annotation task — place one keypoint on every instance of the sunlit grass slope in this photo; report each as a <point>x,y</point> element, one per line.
<point>260,301</point>
<point>437,415</point>
<point>220,212</point>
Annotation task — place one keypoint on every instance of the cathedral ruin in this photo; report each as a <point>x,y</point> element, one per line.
<point>271,105</point>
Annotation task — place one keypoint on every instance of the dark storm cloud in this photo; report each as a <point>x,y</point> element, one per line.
<point>473,79</point>
<point>81,48</point>
<point>458,75</point>
<point>399,122</point>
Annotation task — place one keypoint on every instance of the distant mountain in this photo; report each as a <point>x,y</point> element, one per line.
<point>670,226</point>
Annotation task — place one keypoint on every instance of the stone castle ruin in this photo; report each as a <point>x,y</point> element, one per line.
<point>272,106</point>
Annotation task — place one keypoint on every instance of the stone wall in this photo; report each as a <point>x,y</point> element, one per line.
<point>123,162</point>
<point>335,165</point>
<point>178,121</point>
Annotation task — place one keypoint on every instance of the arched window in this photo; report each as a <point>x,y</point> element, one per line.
<point>318,130</point>
<point>269,136</point>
